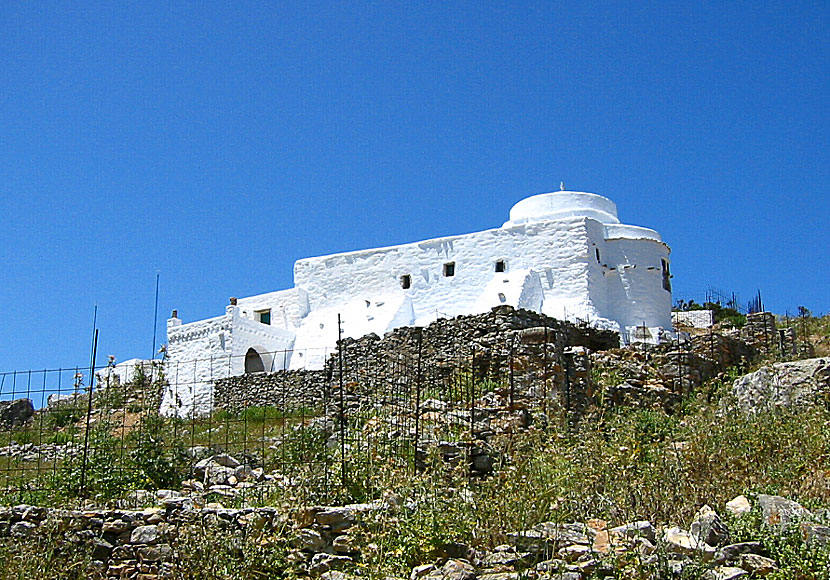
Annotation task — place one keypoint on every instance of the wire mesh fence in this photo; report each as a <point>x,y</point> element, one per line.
<point>226,429</point>
<point>67,436</point>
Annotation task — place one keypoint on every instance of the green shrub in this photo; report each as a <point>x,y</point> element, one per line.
<point>158,452</point>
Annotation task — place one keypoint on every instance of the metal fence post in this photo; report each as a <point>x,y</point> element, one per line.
<point>545,375</point>
<point>342,402</point>
<point>418,380</point>
<point>510,368</point>
<point>88,414</point>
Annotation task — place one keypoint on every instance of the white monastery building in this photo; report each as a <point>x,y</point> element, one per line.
<point>564,254</point>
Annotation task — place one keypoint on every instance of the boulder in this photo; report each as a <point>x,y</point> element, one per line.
<point>780,511</point>
<point>15,413</point>
<point>815,534</point>
<point>738,506</point>
<point>758,565</point>
<point>792,385</point>
<point>678,541</point>
<point>708,528</point>
<point>733,552</point>
<point>454,569</point>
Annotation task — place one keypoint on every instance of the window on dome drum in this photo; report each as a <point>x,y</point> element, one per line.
<point>449,269</point>
<point>406,281</point>
<point>263,316</point>
<point>501,266</point>
<point>666,275</point>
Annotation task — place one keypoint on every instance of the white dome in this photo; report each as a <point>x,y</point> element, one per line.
<point>563,204</point>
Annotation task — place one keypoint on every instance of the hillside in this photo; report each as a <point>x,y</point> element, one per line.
<point>525,455</point>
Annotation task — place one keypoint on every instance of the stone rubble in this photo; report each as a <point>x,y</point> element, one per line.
<point>143,543</point>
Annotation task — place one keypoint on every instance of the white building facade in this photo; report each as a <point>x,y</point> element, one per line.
<point>564,254</point>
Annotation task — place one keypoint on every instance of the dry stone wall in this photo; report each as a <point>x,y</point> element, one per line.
<point>331,542</point>
<point>285,389</point>
<point>482,345</point>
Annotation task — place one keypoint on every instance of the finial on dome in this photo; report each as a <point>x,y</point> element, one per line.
<point>561,186</point>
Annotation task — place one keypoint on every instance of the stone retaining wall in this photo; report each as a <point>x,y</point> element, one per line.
<point>284,389</point>
<point>482,345</point>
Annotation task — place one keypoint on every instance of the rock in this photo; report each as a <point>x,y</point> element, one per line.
<point>733,552</point>
<point>114,527</point>
<point>815,533</point>
<point>530,541</point>
<point>421,571</point>
<point>639,529</point>
<point>163,494</point>
<point>145,535</point>
<point>96,568</point>
<point>155,553</point>
<point>573,552</point>
<point>122,570</point>
<point>793,385</point>
<point>676,567</point>
<point>564,576</point>
<point>344,545</point>
<point>336,518</point>
<point>335,575</point>
<point>139,497</point>
<point>758,565</point>
<point>500,576</point>
<point>310,540</point>
<point>551,535</point>
<point>433,405</point>
<point>125,552</point>
<point>23,529</point>
<point>724,573</point>
<point>225,460</point>
<point>780,511</point>
<point>15,413</point>
<point>454,569</point>
<point>215,474</point>
<point>505,558</point>
<point>321,563</point>
<point>738,506</point>
<point>178,503</point>
<point>101,550</point>
<point>708,528</point>
<point>682,542</point>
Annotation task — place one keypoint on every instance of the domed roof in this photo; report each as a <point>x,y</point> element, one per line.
<point>563,204</point>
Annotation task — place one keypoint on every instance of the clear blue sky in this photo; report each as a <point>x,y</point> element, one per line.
<point>217,142</point>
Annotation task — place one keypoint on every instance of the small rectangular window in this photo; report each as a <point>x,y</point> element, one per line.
<point>264,316</point>
<point>406,281</point>
<point>501,266</point>
<point>597,252</point>
<point>449,269</point>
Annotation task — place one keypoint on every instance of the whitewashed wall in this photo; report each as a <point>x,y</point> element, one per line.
<point>694,318</point>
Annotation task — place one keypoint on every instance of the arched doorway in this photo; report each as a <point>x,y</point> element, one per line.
<point>253,362</point>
